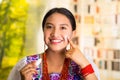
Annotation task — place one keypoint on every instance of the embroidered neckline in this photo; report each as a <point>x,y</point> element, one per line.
<point>64,72</point>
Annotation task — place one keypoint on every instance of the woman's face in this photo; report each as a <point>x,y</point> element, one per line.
<point>57,31</point>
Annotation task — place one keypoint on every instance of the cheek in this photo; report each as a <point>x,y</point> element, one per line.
<point>68,36</point>
<point>46,35</point>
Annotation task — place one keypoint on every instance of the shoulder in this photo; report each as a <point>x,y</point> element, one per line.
<point>74,71</point>
<point>73,67</point>
<point>14,73</point>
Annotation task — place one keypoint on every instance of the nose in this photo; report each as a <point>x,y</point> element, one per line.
<point>54,33</point>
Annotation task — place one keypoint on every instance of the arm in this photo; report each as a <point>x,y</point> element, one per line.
<point>76,55</point>
<point>86,69</point>
<point>88,73</point>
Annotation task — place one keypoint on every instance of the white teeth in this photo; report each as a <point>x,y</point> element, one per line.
<point>55,40</point>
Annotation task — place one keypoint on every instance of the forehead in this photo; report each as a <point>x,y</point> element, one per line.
<point>58,16</point>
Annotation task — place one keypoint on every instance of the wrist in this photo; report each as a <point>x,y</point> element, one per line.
<point>87,70</point>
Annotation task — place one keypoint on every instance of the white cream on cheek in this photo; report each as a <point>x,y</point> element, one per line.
<point>67,38</point>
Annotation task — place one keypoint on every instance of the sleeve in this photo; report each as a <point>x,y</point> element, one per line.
<point>95,68</point>
<point>15,72</point>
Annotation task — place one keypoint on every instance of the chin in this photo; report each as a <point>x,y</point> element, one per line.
<point>57,49</point>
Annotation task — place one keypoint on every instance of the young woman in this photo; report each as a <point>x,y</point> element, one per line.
<point>56,63</point>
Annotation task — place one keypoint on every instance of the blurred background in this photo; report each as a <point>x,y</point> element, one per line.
<point>97,34</point>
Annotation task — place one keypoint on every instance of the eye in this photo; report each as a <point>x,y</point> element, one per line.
<point>49,26</point>
<point>63,28</point>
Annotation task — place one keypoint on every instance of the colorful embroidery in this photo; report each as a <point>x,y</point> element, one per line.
<point>73,70</point>
<point>39,67</point>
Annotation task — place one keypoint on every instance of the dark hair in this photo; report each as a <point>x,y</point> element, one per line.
<point>63,11</point>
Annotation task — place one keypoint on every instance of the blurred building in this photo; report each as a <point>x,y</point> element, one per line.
<point>98,32</point>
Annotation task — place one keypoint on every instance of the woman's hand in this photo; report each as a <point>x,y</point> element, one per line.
<point>28,71</point>
<point>75,54</point>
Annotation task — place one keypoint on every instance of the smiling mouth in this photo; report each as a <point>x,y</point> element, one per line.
<point>55,41</point>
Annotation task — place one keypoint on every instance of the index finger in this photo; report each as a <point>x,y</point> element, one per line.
<point>71,44</point>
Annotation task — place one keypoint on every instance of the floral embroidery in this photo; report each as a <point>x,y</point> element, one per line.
<point>73,70</point>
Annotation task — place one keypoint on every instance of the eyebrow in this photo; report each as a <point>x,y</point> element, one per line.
<point>48,23</point>
<point>60,24</point>
<point>64,24</point>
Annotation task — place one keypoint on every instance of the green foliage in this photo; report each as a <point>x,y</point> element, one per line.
<point>4,72</point>
<point>13,17</point>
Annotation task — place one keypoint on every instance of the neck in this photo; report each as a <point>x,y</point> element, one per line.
<point>55,56</point>
<point>55,60</point>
